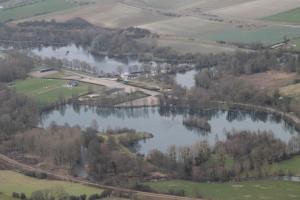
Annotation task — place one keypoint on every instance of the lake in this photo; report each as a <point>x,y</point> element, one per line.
<point>167,127</point>
<point>72,52</point>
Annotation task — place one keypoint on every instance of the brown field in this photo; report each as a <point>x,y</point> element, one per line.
<point>291,90</point>
<point>107,13</point>
<point>182,45</point>
<point>270,79</point>
<point>189,27</point>
<point>257,8</point>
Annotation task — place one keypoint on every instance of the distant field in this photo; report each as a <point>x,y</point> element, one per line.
<point>251,190</point>
<point>30,10</point>
<point>188,27</point>
<point>254,9</point>
<point>288,16</point>
<point>47,91</point>
<point>109,14</point>
<point>15,182</point>
<point>267,35</point>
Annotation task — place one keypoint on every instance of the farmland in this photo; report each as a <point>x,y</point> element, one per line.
<point>192,26</point>
<point>257,8</point>
<point>266,35</point>
<point>288,16</point>
<point>15,182</point>
<point>47,91</point>
<point>251,190</point>
<point>30,10</point>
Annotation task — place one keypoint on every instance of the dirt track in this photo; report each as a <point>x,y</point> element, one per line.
<point>139,195</point>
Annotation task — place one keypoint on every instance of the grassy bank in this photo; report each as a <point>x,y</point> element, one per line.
<point>251,190</point>
<point>15,182</point>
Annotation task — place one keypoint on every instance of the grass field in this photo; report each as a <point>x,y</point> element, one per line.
<point>288,16</point>
<point>289,166</point>
<point>252,190</point>
<point>15,182</point>
<point>30,10</point>
<point>47,91</point>
<point>267,35</point>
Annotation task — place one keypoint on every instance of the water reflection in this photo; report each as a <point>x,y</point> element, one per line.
<point>166,125</point>
<point>186,79</point>
<point>102,63</point>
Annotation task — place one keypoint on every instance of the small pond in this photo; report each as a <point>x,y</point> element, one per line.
<point>186,79</point>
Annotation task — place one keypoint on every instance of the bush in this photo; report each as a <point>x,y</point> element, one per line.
<point>15,195</point>
<point>142,187</point>
<point>74,198</point>
<point>83,197</point>
<point>39,175</point>
<point>106,193</point>
<point>94,197</point>
<point>22,196</point>
<point>178,192</point>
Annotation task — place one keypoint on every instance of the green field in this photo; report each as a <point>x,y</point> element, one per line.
<point>47,91</point>
<point>266,35</point>
<point>289,166</point>
<point>15,182</point>
<point>30,10</point>
<point>288,16</point>
<point>252,190</point>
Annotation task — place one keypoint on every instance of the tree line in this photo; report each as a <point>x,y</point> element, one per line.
<point>243,154</point>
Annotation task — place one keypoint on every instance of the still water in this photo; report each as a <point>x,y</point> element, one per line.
<point>167,127</point>
<point>72,52</point>
<point>186,79</point>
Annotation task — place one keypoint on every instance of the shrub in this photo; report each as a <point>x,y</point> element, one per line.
<point>94,197</point>
<point>178,192</point>
<point>83,197</point>
<point>15,195</point>
<point>22,196</point>
<point>106,193</point>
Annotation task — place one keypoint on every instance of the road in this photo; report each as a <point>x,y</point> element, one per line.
<point>138,194</point>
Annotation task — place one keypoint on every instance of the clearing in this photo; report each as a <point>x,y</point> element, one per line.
<point>250,190</point>
<point>14,182</point>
